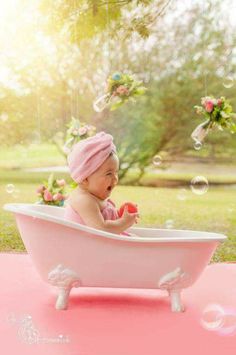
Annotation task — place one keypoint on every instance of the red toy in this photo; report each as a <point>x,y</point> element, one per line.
<point>132,208</point>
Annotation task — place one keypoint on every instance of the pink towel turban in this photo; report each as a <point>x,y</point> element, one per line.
<point>87,155</point>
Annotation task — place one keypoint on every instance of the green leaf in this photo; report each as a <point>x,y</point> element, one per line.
<point>50,181</point>
<point>116,105</point>
<point>140,91</point>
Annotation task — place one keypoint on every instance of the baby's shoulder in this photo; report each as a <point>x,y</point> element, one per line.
<point>80,200</point>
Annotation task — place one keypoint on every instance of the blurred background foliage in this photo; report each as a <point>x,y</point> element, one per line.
<point>56,56</point>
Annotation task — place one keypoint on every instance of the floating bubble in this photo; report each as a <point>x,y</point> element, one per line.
<point>197,145</point>
<point>229,326</point>
<point>182,194</point>
<point>213,317</point>
<point>231,208</point>
<point>4,117</point>
<point>157,160</point>
<point>228,82</point>
<point>169,223</point>
<point>199,185</point>
<point>10,188</point>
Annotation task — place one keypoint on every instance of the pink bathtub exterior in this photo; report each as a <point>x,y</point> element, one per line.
<point>102,259</point>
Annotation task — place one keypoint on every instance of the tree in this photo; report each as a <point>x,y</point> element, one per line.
<point>85,19</point>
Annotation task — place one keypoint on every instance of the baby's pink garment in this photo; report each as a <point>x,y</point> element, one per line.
<point>108,212</point>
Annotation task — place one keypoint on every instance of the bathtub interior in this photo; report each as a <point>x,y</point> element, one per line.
<point>56,214</point>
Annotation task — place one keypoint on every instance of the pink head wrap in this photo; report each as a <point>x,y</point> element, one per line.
<point>87,155</point>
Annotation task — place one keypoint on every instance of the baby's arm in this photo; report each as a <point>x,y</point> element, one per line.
<point>89,210</point>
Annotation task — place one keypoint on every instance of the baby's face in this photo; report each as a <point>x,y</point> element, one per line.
<point>104,179</point>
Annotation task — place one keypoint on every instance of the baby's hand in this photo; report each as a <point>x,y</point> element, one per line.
<point>129,218</point>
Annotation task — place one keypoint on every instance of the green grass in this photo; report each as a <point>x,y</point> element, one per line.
<point>34,155</point>
<point>213,211</point>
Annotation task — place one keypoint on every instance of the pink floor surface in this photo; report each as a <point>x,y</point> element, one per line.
<point>114,321</point>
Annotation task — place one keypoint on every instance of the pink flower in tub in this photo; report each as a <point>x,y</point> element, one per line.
<point>40,189</point>
<point>58,197</point>
<point>47,195</point>
<point>61,182</point>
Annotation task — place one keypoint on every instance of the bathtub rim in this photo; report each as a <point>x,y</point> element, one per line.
<point>208,236</point>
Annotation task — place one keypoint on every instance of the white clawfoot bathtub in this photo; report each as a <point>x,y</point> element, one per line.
<point>68,254</point>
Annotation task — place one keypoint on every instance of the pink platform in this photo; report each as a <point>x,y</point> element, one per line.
<point>105,321</point>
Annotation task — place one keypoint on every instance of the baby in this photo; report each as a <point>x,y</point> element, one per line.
<point>93,164</point>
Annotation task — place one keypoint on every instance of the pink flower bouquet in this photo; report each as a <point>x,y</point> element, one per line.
<point>52,192</point>
<point>218,113</point>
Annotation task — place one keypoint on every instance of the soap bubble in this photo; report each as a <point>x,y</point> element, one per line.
<point>199,185</point>
<point>10,188</point>
<point>231,208</point>
<point>197,145</point>
<point>229,326</point>
<point>157,160</point>
<point>213,317</point>
<point>228,82</point>
<point>182,194</point>
<point>4,117</point>
<point>169,223</point>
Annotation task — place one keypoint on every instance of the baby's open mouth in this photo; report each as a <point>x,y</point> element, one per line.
<point>109,188</point>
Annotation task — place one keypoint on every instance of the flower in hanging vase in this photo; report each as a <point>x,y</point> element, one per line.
<point>219,102</point>
<point>209,106</point>
<point>120,88</point>
<point>83,130</point>
<point>75,132</point>
<point>101,103</point>
<point>200,132</point>
<point>218,113</point>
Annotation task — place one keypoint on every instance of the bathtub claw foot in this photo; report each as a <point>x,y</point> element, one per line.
<point>63,298</point>
<point>64,279</point>
<point>173,282</point>
<point>176,303</point>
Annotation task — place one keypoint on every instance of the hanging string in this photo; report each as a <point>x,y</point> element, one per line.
<point>205,82</point>
<point>76,96</point>
<point>108,39</point>
<point>38,114</point>
<point>205,50</point>
<point>38,111</point>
